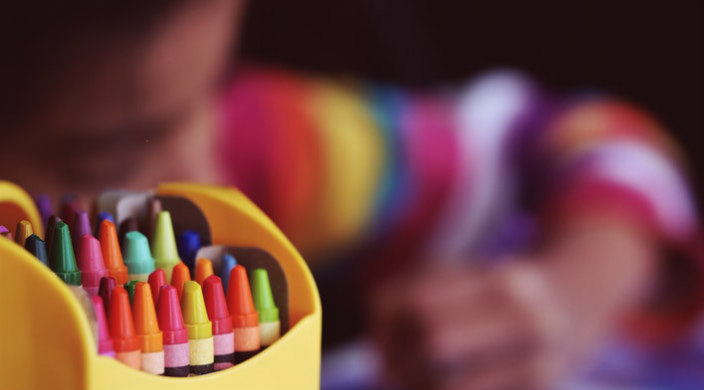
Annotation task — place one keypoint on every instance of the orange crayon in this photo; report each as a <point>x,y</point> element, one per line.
<point>179,276</point>
<point>112,255</point>
<point>204,268</point>
<point>245,318</point>
<point>147,327</point>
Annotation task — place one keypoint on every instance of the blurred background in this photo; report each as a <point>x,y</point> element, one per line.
<point>648,53</point>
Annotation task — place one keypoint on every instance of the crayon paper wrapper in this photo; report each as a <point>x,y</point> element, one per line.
<point>153,362</point>
<point>176,355</point>
<point>224,343</point>
<point>201,351</point>
<point>269,332</point>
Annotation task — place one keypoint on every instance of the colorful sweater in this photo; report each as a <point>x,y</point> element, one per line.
<point>473,172</point>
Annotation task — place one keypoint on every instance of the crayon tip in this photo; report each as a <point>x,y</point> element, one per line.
<point>22,231</point>
<point>195,316</point>
<point>216,305</point>
<point>43,203</point>
<point>121,322</point>
<point>145,320</point>
<point>204,268</point>
<point>70,204</point>
<point>90,262</point>
<point>239,299</point>
<point>111,252</point>
<point>62,259</point>
<point>81,226</point>
<point>181,275</point>
<point>37,247</point>
<point>102,216</point>
<point>104,340</point>
<point>188,244</point>
<point>50,227</point>
<point>228,262</point>
<point>107,284</point>
<point>164,243</point>
<point>126,226</point>
<point>137,256</point>
<point>156,280</point>
<point>130,287</point>
<point>170,317</point>
<point>4,232</point>
<point>263,297</point>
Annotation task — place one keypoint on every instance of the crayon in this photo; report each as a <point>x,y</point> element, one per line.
<point>137,256</point>
<point>37,247</point>
<point>164,244</point>
<point>156,280</point>
<point>200,331</point>
<point>102,216</point>
<point>176,355</point>
<point>105,344</point>
<point>112,254</point>
<point>153,208</point>
<point>130,287</point>
<point>124,335</point>
<point>91,264</point>
<point>43,203</point>
<point>70,204</point>
<point>204,268</point>
<point>244,316</point>
<point>4,232</point>
<point>107,284</point>
<point>228,262</point>
<point>180,275</point>
<point>22,231</point>
<point>49,234</point>
<point>61,258</point>
<point>269,324</point>
<point>147,327</point>
<point>81,226</point>
<point>188,244</point>
<point>126,226</point>
<point>223,333</point>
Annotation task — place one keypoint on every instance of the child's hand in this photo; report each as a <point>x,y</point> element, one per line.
<point>522,325</point>
<point>464,329</point>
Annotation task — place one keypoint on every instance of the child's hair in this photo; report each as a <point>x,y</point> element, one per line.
<point>40,39</point>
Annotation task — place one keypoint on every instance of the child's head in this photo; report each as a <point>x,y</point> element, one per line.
<point>109,93</point>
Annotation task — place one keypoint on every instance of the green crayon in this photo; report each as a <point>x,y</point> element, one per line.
<point>269,324</point>
<point>62,260</point>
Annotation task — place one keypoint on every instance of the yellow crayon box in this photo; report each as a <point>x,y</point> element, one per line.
<point>46,339</point>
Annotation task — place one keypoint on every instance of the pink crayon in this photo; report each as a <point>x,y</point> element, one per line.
<point>105,347</point>
<point>90,262</point>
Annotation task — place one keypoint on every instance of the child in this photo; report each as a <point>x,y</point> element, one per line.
<point>504,233</point>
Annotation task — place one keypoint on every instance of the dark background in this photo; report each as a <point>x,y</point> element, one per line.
<point>648,53</point>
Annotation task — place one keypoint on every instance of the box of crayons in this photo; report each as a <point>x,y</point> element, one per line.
<point>187,286</point>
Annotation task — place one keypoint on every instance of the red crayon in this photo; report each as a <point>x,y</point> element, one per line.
<point>176,350</point>
<point>107,284</point>
<point>90,262</point>
<point>156,280</point>
<point>124,335</point>
<point>105,343</point>
<point>219,315</point>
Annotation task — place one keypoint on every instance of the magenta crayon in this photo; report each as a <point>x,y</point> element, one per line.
<point>156,280</point>
<point>107,284</point>
<point>43,203</point>
<point>81,226</point>
<point>4,232</point>
<point>219,315</point>
<point>122,330</point>
<point>105,345</point>
<point>91,263</point>
<point>176,349</point>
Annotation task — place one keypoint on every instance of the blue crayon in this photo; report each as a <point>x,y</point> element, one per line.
<point>227,264</point>
<point>103,215</point>
<point>188,244</point>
